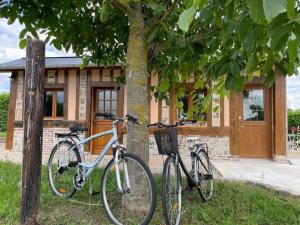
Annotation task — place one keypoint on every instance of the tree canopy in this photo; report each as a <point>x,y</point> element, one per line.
<point>223,43</point>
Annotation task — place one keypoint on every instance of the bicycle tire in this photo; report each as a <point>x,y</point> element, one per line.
<point>104,192</point>
<point>205,197</point>
<point>50,175</point>
<point>165,191</point>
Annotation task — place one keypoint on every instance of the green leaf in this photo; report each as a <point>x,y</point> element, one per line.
<point>153,35</point>
<point>270,79</point>
<point>157,8</point>
<point>10,21</point>
<point>290,7</point>
<point>290,68</point>
<point>252,63</point>
<point>278,42</point>
<point>199,84</point>
<point>199,3</point>
<point>22,43</point>
<point>22,33</point>
<point>292,50</point>
<point>56,44</point>
<point>229,83</point>
<point>47,38</point>
<point>268,64</point>
<point>256,10</point>
<point>234,68</point>
<point>249,40</point>
<point>229,9</point>
<point>186,18</point>
<point>34,34</point>
<point>106,10</point>
<point>179,104</point>
<point>273,8</point>
<point>85,62</point>
<point>164,86</point>
<point>296,31</point>
<point>279,31</point>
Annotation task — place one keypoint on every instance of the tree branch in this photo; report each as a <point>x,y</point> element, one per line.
<point>161,19</point>
<point>156,48</point>
<point>123,5</point>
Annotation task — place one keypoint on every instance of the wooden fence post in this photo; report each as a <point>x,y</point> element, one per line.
<point>33,131</point>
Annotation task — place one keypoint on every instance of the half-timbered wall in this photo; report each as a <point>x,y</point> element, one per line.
<point>214,131</point>
<point>218,130</point>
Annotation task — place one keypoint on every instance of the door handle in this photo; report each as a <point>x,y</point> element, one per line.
<point>240,117</point>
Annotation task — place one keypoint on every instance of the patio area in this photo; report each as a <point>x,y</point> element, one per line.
<point>284,177</point>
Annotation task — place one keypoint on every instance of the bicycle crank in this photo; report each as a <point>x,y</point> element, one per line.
<point>78,182</point>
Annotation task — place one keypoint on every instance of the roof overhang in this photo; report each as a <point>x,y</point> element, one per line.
<point>50,63</point>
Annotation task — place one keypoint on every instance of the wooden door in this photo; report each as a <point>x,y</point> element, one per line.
<point>104,100</point>
<point>254,119</point>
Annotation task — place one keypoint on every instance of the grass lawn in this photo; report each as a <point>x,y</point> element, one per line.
<point>2,134</point>
<point>233,203</point>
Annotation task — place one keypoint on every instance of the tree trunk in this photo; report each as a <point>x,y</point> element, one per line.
<point>137,85</point>
<point>33,132</point>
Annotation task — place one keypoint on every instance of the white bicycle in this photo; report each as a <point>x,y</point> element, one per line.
<point>127,185</point>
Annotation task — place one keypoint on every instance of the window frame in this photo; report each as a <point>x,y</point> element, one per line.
<point>264,102</point>
<point>54,103</point>
<point>188,88</point>
<point>110,100</point>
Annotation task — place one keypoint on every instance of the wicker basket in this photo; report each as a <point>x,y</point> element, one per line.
<point>166,140</point>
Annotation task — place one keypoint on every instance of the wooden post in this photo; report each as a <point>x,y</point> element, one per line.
<point>280,117</point>
<point>33,131</point>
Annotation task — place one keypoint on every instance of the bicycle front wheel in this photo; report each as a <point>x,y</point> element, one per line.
<point>62,166</point>
<point>171,191</point>
<point>134,204</point>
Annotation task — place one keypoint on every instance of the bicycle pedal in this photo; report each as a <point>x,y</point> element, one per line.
<point>202,186</point>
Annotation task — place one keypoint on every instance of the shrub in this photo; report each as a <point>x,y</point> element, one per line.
<point>293,119</point>
<point>4,99</point>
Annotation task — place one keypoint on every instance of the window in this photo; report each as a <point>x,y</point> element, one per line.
<point>253,105</point>
<point>54,103</point>
<point>107,101</point>
<point>192,101</point>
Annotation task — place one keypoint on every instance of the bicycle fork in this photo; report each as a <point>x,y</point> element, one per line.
<point>118,177</point>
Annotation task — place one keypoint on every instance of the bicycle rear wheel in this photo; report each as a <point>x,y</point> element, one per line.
<point>205,175</point>
<point>171,191</point>
<point>62,166</point>
<point>133,205</point>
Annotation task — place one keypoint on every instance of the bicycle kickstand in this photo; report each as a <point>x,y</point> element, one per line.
<point>92,193</point>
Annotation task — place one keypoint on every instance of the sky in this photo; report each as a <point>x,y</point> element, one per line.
<point>9,50</point>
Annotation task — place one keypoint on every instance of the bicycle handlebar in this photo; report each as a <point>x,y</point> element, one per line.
<point>112,116</point>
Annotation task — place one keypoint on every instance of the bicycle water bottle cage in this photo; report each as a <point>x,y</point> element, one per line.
<point>166,140</point>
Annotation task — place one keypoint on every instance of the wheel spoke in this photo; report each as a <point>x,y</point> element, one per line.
<point>171,192</point>
<point>133,207</point>
<point>60,174</point>
<point>204,170</point>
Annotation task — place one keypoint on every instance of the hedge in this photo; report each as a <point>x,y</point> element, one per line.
<point>293,119</point>
<point>4,98</point>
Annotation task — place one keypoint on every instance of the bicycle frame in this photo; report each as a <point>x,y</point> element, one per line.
<point>90,167</point>
<point>193,156</point>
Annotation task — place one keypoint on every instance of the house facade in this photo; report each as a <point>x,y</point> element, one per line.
<point>249,124</point>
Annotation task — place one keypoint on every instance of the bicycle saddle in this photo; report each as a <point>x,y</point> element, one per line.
<point>78,128</point>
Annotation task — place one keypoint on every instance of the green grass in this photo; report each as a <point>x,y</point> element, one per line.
<point>233,203</point>
<point>2,134</point>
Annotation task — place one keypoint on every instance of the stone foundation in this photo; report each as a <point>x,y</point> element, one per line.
<point>280,158</point>
<point>48,138</point>
<point>218,147</point>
